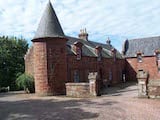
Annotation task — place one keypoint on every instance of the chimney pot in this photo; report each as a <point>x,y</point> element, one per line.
<point>83,34</point>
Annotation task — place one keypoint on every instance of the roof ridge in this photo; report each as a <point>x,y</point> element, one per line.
<point>88,40</point>
<point>144,38</point>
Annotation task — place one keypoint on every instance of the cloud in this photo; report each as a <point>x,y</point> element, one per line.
<point>117,19</point>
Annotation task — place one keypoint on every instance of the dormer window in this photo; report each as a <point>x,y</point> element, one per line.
<point>99,57</point>
<point>139,57</point>
<point>99,53</point>
<point>78,50</point>
<point>79,53</point>
<point>114,54</point>
<point>158,56</point>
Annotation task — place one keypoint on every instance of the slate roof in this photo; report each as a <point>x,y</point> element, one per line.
<point>88,48</point>
<point>49,25</point>
<point>147,46</point>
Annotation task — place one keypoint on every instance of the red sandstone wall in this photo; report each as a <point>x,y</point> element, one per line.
<point>29,69</point>
<point>84,66</point>
<point>147,64</point>
<point>57,66</point>
<point>52,67</point>
<point>90,64</point>
<point>115,67</point>
<point>40,68</point>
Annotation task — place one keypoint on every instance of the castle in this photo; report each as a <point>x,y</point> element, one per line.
<point>56,59</point>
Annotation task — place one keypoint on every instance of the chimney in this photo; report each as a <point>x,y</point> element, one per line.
<point>83,34</point>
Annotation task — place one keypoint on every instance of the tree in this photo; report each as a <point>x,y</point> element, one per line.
<point>12,51</point>
<point>26,82</point>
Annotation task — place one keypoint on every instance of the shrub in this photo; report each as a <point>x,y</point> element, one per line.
<point>26,82</point>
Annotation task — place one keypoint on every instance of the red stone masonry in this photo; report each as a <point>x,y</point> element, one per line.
<point>90,64</point>
<point>29,63</point>
<point>147,64</point>
<point>57,65</point>
<point>52,67</point>
<point>40,68</point>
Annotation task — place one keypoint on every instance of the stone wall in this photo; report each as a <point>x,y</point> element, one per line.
<point>154,88</point>
<point>77,89</point>
<point>149,65</point>
<point>142,77</point>
<point>50,67</point>
<point>84,89</point>
<point>40,69</point>
<point>108,69</point>
<point>29,61</point>
<point>57,65</point>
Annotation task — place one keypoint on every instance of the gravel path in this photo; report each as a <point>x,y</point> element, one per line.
<point>116,103</point>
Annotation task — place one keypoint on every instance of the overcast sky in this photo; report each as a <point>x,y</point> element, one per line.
<point>117,19</point>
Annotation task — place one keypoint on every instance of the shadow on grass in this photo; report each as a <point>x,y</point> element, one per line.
<point>44,109</point>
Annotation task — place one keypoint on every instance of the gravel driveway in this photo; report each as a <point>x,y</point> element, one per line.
<point>116,103</point>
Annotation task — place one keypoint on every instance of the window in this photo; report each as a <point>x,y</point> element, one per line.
<point>98,51</point>
<point>78,49</point>
<point>139,58</point>
<point>114,54</point>
<point>79,53</point>
<point>76,76</point>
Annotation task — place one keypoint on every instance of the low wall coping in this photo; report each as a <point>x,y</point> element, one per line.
<point>77,84</point>
<point>154,83</point>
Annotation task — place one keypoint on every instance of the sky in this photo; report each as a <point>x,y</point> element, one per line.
<point>117,19</point>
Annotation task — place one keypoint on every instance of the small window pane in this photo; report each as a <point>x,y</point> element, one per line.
<point>76,76</point>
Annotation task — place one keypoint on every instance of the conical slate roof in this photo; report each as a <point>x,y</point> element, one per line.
<point>49,25</point>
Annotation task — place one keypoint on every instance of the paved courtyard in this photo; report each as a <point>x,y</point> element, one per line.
<point>117,103</point>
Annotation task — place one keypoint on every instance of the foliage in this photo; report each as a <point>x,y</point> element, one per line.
<point>12,51</point>
<point>26,82</point>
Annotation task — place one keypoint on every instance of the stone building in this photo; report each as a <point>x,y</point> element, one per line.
<point>143,54</point>
<point>55,58</point>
